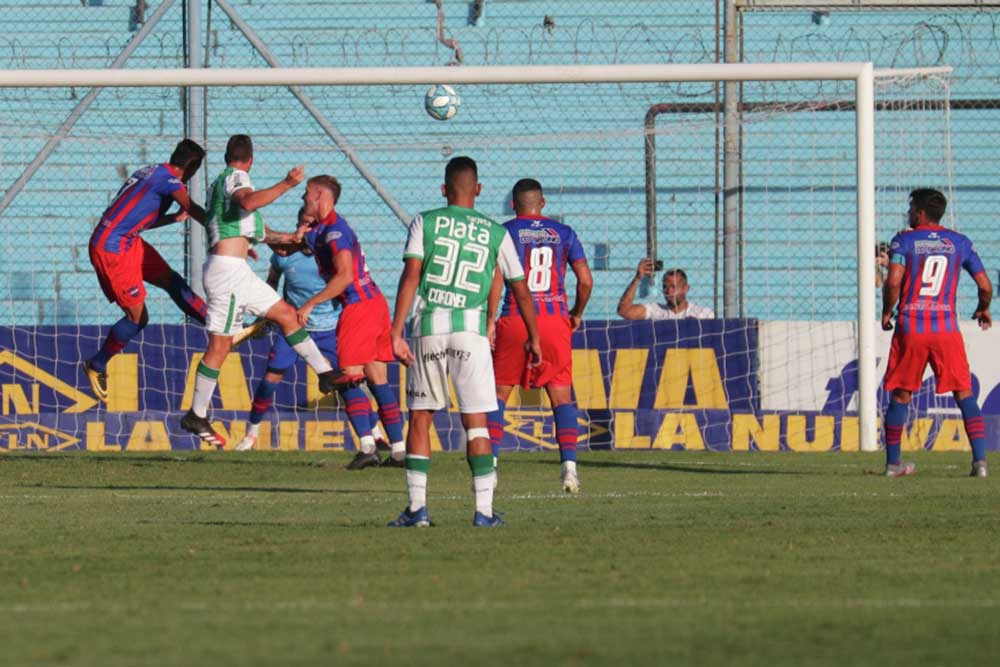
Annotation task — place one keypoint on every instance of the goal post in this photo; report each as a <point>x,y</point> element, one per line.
<point>860,74</point>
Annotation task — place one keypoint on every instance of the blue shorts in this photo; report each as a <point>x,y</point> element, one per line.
<point>283,357</point>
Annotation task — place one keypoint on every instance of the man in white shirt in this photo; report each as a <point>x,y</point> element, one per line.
<point>675,289</point>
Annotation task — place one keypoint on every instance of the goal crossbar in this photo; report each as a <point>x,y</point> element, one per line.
<point>356,76</point>
<point>860,72</point>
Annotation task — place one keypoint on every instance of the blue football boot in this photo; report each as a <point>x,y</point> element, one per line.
<point>408,519</point>
<point>480,520</point>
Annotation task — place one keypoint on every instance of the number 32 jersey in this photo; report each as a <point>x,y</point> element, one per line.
<point>460,249</point>
<point>545,247</point>
<point>933,257</point>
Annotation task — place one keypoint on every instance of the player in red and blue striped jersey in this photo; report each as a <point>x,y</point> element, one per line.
<point>924,267</point>
<point>124,261</point>
<point>545,247</point>
<point>364,346</point>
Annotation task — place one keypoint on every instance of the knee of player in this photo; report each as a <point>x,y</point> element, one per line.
<point>902,395</point>
<point>284,315</point>
<point>376,372</point>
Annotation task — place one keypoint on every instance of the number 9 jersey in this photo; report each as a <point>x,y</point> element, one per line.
<point>933,257</point>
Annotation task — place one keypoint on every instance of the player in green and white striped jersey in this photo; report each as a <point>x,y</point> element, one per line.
<point>232,288</point>
<point>451,255</point>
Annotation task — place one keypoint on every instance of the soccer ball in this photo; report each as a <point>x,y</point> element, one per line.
<point>441,102</point>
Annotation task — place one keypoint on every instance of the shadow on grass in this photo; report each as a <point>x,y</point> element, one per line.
<point>142,458</point>
<point>170,487</point>
<point>677,467</point>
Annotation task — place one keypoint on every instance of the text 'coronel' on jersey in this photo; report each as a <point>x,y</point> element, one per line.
<point>440,297</point>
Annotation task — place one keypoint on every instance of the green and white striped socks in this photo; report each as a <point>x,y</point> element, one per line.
<point>306,348</point>
<point>205,381</point>
<point>417,468</point>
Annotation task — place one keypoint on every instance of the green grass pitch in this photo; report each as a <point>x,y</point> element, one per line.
<point>666,558</point>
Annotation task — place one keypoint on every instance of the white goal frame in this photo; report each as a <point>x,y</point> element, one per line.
<point>861,73</point>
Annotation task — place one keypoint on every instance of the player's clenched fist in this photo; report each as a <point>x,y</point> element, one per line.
<point>296,175</point>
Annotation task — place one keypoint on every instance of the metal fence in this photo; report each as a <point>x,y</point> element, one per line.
<point>599,185</point>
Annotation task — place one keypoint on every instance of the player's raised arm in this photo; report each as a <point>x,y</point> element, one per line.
<point>626,308</point>
<point>251,200</point>
<point>409,280</point>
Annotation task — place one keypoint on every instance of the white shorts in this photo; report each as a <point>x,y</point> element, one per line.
<point>233,290</point>
<point>463,356</point>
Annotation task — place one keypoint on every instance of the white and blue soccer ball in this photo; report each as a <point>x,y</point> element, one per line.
<point>441,102</point>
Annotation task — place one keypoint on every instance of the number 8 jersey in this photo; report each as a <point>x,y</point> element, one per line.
<point>545,247</point>
<point>460,248</point>
<point>933,257</point>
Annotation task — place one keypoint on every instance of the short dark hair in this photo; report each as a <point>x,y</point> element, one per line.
<point>239,148</point>
<point>526,185</point>
<point>930,201</point>
<point>186,152</point>
<point>459,165</point>
<point>675,272</point>
<point>328,182</point>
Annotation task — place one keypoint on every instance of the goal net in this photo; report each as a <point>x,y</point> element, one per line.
<point>755,377</point>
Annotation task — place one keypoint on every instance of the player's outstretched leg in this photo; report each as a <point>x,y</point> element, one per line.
<point>186,298</point>
<point>895,420</point>
<point>298,339</point>
<point>975,428</point>
<point>566,436</point>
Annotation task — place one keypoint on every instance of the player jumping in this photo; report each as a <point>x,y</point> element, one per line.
<point>545,247</point>
<point>233,288</point>
<point>124,261</point>
<point>924,267</point>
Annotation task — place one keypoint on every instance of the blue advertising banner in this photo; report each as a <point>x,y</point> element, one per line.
<point>690,384</point>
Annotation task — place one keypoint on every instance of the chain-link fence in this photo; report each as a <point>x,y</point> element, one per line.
<point>587,148</point>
